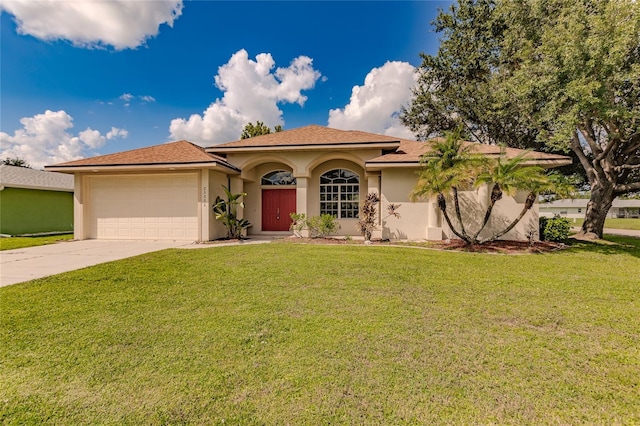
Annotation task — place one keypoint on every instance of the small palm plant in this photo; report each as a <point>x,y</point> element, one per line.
<point>453,166</point>
<point>227,212</point>
<point>450,167</point>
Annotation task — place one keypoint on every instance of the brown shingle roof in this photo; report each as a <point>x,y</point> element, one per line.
<point>313,135</point>
<point>180,152</point>
<point>410,152</point>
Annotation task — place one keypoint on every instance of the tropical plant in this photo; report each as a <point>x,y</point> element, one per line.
<point>453,165</point>
<point>448,167</point>
<point>298,223</point>
<point>318,226</point>
<point>369,213</point>
<point>553,75</point>
<point>226,211</point>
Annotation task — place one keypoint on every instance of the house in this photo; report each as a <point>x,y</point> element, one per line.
<point>166,191</point>
<point>577,208</point>
<point>35,201</point>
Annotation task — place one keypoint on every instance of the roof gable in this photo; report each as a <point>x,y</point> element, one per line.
<point>306,137</point>
<point>180,152</point>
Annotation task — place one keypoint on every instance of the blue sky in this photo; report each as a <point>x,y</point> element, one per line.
<point>87,78</point>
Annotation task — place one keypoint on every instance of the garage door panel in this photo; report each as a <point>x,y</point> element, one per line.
<point>144,207</point>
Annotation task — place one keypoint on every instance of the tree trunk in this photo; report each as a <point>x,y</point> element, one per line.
<point>442,204</point>
<point>531,198</point>
<point>602,197</point>
<point>496,195</point>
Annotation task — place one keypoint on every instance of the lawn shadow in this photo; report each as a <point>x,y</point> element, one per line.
<point>611,244</point>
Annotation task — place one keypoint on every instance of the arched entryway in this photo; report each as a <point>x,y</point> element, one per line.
<point>278,200</point>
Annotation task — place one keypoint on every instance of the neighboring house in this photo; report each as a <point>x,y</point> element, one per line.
<point>166,191</point>
<point>35,201</point>
<point>577,208</point>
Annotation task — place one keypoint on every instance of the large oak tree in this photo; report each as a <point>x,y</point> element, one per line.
<point>554,75</point>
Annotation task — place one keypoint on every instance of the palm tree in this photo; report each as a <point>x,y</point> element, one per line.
<point>448,167</point>
<point>557,183</point>
<point>452,165</point>
<point>508,176</point>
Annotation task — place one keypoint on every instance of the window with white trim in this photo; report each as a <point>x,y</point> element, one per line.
<point>339,193</point>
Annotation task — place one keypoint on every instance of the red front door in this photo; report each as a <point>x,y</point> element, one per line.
<point>277,204</point>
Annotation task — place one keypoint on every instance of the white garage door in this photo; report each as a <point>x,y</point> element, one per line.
<point>149,207</point>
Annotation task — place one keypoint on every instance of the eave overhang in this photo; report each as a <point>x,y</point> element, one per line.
<point>226,168</point>
<point>544,163</point>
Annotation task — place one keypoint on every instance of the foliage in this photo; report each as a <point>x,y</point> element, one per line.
<point>452,165</point>
<point>369,214</point>
<point>555,229</point>
<point>251,130</point>
<point>226,211</point>
<point>549,75</point>
<point>18,162</point>
<point>318,226</point>
<point>313,334</point>
<point>298,223</point>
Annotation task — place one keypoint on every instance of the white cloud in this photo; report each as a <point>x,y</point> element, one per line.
<point>375,106</point>
<point>128,97</point>
<point>116,133</point>
<point>122,24</point>
<point>252,91</point>
<point>43,139</point>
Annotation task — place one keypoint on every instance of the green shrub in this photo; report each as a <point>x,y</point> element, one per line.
<point>542,222</point>
<point>318,226</point>
<point>226,211</point>
<point>554,229</point>
<point>299,222</point>
<point>322,226</point>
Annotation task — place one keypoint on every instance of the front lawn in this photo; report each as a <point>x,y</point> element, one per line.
<point>11,243</point>
<point>309,334</point>
<point>613,223</point>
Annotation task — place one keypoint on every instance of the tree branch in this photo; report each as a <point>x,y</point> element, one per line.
<point>613,144</point>
<point>629,187</point>
<point>590,137</point>
<point>626,166</point>
<point>586,164</point>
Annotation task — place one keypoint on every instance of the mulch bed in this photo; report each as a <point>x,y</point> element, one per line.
<point>501,246</point>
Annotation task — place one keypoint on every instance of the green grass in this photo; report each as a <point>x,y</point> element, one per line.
<point>614,223</point>
<point>22,242</point>
<point>308,334</point>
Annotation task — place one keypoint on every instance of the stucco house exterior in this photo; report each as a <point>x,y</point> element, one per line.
<point>35,201</point>
<point>578,207</point>
<point>166,191</point>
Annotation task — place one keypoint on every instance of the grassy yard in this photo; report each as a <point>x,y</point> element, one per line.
<point>22,242</point>
<point>614,223</point>
<point>309,334</point>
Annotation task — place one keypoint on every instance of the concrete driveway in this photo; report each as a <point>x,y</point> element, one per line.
<point>36,262</point>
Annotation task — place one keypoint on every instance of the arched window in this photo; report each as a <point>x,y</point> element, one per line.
<point>279,177</point>
<point>339,192</point>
